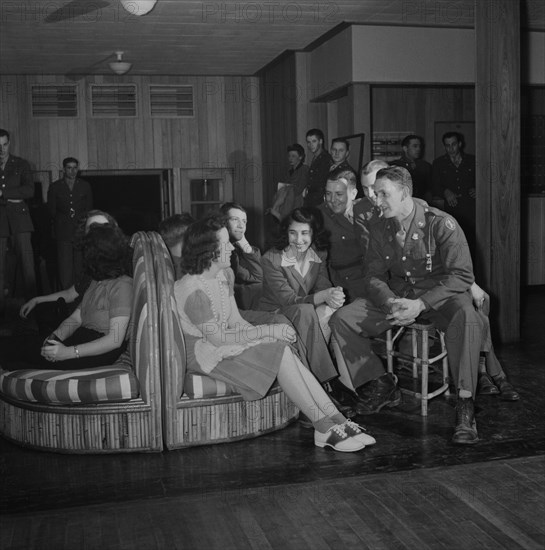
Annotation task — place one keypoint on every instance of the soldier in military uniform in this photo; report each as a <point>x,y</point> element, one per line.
<point>418,265</point>
<point>16,186</point>
<point>345,254</point>
<point>320,161</point>
<point>68,200</point>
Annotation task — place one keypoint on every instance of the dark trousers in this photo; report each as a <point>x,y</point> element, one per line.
<point>69,262</point>
<point>465,331</point>
<point>24,253</point>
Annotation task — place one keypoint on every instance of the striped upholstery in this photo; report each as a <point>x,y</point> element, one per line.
<point>97,385</point>
<point>197,386</point>
<point>170,329</point>
<point>143,344</point>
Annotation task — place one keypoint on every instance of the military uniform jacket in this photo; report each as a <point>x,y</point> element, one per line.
<point>434,265</point>
<point>248,277</point>
<point>420,171</point>
<point>17,184</point>
<point>366,214</point>
<point>283,285</point>
<point>345,260</point>
<point>67,207</point>
<point>317,179</point>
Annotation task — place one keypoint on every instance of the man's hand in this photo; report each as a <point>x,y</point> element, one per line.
<point>404,311</point>
<point>473,193</point>
<point>478,295</point>
<point>450,197</point>
<point>244,245</point>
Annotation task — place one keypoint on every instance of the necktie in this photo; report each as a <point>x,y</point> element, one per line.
<point>400,236</point>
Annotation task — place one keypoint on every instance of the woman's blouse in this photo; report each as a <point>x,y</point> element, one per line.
<point>204,304</point>
<point>104,300</point>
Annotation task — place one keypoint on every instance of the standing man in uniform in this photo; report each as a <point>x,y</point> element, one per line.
<point>16,186</point>
<point>453,179</point>
<point>417,265</point>
<point>419,169</point>
<point>340,151</point>
<point>320,161</point>
<point>68,200</point>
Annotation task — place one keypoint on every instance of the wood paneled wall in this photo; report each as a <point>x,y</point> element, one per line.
<point>417,108</point>
<point>278,92</point>
<point>224,132</point>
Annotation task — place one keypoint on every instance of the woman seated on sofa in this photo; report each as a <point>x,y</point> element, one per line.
<point>96,333</point>
<point>51,309</point>
<point>296,284</point>
<point>220,344</point>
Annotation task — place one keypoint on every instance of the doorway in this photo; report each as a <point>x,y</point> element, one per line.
<point>136,199</point>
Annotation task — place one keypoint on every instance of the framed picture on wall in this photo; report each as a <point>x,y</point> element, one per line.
<point>355,158</point>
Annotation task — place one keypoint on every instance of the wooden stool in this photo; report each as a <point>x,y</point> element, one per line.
<point>426,330</point>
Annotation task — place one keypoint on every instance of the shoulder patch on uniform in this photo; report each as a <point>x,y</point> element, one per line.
<point>449,222</point>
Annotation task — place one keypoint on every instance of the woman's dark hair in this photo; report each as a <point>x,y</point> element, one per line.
<point>312,216</point>
<point>105,252</point>
<point>298,149</point>
<point>82,222</point>
<point>200,246</point>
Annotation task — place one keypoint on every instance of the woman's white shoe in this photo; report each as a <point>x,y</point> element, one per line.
<point>356,431</point>
<point>337,438</point>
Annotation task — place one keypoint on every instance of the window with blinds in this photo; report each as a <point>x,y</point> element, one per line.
<point>171,101</point>
<point>113,100</point>
<point>54,101</point>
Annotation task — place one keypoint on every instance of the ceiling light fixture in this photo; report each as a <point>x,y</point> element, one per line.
<point>119,66</point>
<point>138,7</point>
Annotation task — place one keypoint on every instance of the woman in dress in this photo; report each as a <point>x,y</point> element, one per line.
<point>51,309</point>
<point>296,284</point>
<point>96,333</point>
<point>222,345</point>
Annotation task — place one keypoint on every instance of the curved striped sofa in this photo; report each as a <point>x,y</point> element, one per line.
<point>196,409</point>
<point>109,410</point>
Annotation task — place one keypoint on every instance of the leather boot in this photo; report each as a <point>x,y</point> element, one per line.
<point>465,432</point>
<point>485,385</point>
<point>378,393</point>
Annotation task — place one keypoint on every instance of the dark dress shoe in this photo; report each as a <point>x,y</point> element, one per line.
<point>378,393</point>
<point>345,408</point>
<point>465,432</point>
<point>506,390</point>
<point>486,386</point>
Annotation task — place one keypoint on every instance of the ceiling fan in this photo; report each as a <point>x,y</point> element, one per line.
<point>117,65</point>
<point>77,8</point>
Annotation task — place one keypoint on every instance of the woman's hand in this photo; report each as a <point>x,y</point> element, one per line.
<point>54,351</point>
<point>335,297</point>
<point>284,332</point>
<point>28,307</point>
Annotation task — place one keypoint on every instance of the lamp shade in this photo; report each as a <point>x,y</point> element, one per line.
<point>119,66</point>
<point>138,7</point>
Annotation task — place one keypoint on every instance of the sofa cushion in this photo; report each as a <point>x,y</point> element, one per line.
<point>114,383</point>
<point>197,386</point>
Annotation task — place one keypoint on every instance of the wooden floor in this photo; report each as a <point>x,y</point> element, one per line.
<point>497,505</point>
<point>413,489</point>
